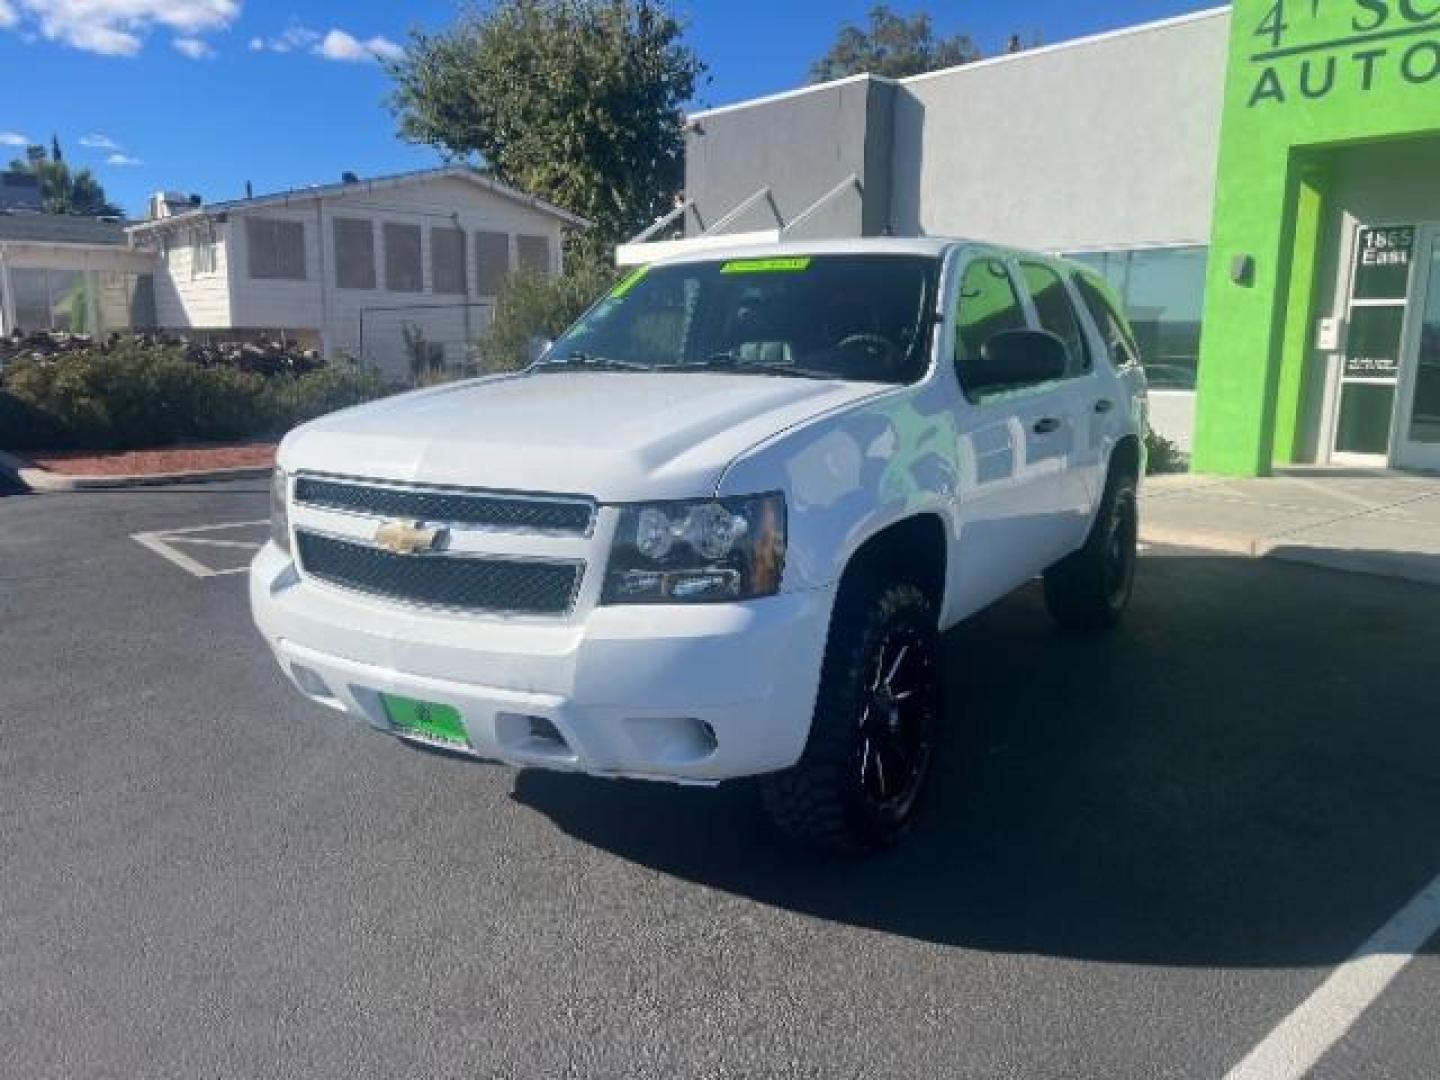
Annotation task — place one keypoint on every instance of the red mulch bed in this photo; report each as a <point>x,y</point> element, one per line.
<point>177,459</point>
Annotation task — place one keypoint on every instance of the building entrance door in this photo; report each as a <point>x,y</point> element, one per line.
<point>1416,443</point>
<point>1381,273</point>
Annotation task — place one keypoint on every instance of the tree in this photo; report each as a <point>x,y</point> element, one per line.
<point>64,192</point>
<point>893,46</point>
<point>577,101</point>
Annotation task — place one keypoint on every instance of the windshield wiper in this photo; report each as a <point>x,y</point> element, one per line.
<point>729,361</point>
<point>591,362</point>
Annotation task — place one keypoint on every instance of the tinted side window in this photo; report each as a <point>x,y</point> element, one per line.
<point>1057,314</point>
<point>1113,328</point>
<point>988,306</point>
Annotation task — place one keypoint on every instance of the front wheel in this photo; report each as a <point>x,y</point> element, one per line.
<point>858,785</point>
<point>1091,589</point>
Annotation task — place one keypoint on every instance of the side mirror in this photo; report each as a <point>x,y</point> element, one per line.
<point>1014,359</point>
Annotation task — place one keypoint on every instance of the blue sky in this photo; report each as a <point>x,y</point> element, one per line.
<point>203,95</point>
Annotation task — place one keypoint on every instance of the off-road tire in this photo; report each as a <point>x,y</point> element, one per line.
<point>825,801</point>
<point>1090,590</point>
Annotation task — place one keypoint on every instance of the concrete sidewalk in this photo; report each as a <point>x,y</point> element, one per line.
<point>1375,522</point>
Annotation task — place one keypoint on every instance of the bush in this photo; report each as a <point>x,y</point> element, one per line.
<point>336,386</point>
<point>135,394</point>
<point>532,305</point>
<point>1163,455</point>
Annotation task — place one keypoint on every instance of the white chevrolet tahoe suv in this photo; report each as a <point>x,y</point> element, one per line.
<point>717,529</point>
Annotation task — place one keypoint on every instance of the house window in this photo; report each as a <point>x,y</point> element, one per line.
<point>203,258</point>
<point>403,267</point>
<point>534,252</point>
<point>492,262</point>
<point>277,249</point>
<point>51,299</point>
<point>447,261</point>
<point>354,253</point>
<point>31,295</point>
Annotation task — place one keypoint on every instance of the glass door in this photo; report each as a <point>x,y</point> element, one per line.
<point>1417,434</point>
<point>1375,342</point>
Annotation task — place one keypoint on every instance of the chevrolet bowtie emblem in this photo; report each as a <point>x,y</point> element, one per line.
<point>409,537</point>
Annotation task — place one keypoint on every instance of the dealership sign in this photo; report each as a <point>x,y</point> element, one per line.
<point>1305,55</point>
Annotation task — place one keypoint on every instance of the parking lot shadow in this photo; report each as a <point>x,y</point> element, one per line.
<point>1247,774</point>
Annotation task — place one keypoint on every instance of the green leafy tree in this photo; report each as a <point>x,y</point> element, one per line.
<point>893,46</point>
<point>64,192</point>
<point>577,101</point>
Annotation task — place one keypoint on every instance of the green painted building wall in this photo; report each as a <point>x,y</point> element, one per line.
<point>1305,79</point>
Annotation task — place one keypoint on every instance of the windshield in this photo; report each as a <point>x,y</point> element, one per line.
<point>865,318</point>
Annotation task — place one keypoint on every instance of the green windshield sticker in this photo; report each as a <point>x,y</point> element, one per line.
<point>629,283</point>
<point>766,266</point>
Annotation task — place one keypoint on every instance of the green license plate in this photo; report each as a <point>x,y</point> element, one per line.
<point>425,720</point>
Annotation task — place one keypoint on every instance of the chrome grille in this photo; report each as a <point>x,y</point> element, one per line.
<point>447,506</point>
<point>461,583</point>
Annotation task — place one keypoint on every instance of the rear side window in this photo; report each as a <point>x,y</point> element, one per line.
<point>1113,328</point>
<point>1057,314</point>
<point>989,305</point>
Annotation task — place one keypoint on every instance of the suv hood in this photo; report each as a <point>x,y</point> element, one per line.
<point>614,436</point>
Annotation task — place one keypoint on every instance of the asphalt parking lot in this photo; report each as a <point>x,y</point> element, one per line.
<point>1145,852</point>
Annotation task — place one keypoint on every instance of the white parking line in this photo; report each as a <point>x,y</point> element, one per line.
<point>163,543</point>
<point>206,542</point>
<point>1303,1037</point>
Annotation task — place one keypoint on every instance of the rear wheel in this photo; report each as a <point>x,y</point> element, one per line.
<point>1091,589</point>
<point>859,783</point>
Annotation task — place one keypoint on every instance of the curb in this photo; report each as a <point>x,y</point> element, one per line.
<point>1397,565</point>
<point>43,481</point>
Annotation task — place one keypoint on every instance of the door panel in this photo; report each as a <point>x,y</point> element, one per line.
<point>1014,451</point>
<point>1417,443</point>
<point>1014,458</point>
<point>1058,310</point>
<point>1371,364</point>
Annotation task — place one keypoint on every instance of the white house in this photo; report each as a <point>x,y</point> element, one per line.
<point>349,266</point>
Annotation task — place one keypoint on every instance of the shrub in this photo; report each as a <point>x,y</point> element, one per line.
<point>136,394</point>
<point>532,305</point>
<point>336,386</point>
<point>1163,455</point>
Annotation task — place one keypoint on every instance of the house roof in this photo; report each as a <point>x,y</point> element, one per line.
<point>60,229</point>
<point>379,183</point>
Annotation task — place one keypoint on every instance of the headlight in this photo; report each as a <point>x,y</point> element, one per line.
<point>703,551</point>
<point>280,510</point>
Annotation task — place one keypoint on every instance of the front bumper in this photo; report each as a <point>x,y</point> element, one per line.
<point>688,694</point>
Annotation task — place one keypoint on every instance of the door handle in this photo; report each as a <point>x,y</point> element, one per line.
<point>1046,426</point>
<point>1104,405</point>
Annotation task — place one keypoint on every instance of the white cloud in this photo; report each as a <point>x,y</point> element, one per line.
<point>193,47</point>
<point>118,27</point>
<point>122,161</point>
<point>13,138</point>
<point>294,38</point>
<point>97,141</point>
<point>338,45</point>
<point>335,45</point>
